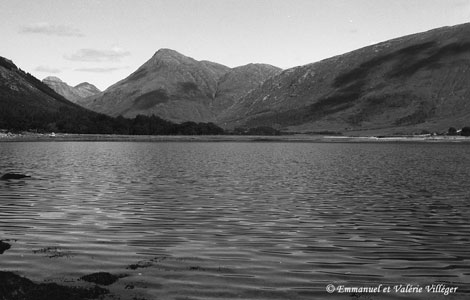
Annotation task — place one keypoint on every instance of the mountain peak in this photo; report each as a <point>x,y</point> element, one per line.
<point>257,66</point>
<point>73,94</point>
<point>52,78</point>
<point>168,53</point>
<point>86,89</point>
<point>163,51</point>
<point>169,56</point>
<point>84,84</point>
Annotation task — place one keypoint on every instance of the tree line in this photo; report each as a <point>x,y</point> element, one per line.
<point>71,120</point>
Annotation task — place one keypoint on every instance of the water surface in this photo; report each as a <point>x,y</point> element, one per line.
<point>239,220</point>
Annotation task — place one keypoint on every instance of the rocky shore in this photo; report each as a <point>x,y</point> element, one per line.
<point>16,287</point>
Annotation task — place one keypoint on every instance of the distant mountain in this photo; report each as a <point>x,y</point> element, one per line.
<point>74,94</point>
<point>417,82</point>
<point>28,104</point>
<point>86,89</point>
<point>177,88</point>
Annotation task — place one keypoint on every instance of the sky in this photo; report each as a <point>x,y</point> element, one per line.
<point>103,41</point>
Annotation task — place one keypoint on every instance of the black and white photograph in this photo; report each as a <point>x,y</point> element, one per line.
<point>235,149</point>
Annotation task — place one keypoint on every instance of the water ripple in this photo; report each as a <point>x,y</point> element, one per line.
<point>250,220</point>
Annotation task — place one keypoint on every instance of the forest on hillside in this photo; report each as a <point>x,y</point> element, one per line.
<point>68,120</point>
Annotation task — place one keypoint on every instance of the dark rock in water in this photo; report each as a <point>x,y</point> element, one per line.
<point>4,246</point>
<point>8,176</point>
<point>102,278</point>
<point>15,287</point>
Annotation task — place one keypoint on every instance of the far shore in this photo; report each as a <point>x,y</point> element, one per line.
<point>59,137</point>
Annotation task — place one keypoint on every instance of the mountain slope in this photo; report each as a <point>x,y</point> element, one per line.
<point>86,89</point>
<point>238,82</point>
<point>21,90</point>
<point>417,81</point>
<point>25,99</point>
<point>28,104</point>
<point>217,70</point>
<point>74,94</point>
<point>175,87</point>
<point>169,85</point>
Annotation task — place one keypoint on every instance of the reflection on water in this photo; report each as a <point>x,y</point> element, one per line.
<point>238,220</point>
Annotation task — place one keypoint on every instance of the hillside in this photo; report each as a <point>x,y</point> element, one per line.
<point>73,94</point>
<point>28,104</point>
<point>413,83</point>
<point>25,102</point>
<point>178,88</point>
<point>238,82</point>
<point>86,89</point>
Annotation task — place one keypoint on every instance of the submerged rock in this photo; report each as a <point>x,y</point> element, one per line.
<point>15,287</point>
<point>102,278</point>
<point>8,176</point>
<point>4,246</point>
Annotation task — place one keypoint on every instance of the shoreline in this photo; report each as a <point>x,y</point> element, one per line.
<point>300,138</point>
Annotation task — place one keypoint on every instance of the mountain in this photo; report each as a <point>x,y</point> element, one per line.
<point>217,70</point>
<point>412,83</point>
<point>28,104</point>
<point>74,94</point>
<point>86,89</point>
<point>177,88</point>
<point>238,82</point>
<point>24,100</point>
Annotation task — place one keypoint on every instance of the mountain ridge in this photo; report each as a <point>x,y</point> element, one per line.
<point>28,104</point>
<point>72,93</point>
<point>174,87</point>
<point>400,84</point>
<point>413,83</point>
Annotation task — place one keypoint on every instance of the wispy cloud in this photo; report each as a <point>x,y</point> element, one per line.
<point>51,29</point>
<point>96,55</point>
<point>100,70</point>
<point>46,69</point>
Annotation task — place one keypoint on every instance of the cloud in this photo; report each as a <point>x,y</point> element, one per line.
<point>95,55</point>
<point>100,70</point>
<point>46,69</point>
<point>51,29</point>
